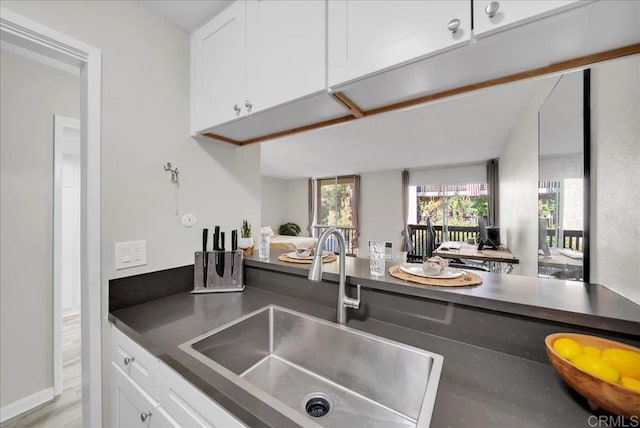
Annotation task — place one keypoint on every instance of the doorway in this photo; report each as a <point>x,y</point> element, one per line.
<point>49,43</point>
<point>67,359</point>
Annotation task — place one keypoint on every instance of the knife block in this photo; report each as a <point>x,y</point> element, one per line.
<point>225,272</point>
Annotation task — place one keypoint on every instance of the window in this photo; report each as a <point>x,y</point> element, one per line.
<point>453,208</point>
<point>336,202</point>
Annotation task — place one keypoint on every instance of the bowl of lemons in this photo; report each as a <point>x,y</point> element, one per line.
<point>605,372</point>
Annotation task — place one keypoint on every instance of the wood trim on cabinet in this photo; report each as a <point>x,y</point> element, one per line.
<point>348,103</point>
<point>357,113</point>
<point>221,138</point>
<point>299,129</point>
<point>549,69</point>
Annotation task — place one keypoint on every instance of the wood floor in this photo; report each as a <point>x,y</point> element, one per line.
<point>66,409</point>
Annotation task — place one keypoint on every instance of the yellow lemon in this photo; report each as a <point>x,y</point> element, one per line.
<point>627,363</point>
<point>591,350</point>
<point>596,367</point>
<point>567,348</point>
<point>631,383</point>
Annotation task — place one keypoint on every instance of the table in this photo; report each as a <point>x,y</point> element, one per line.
<point>500,261</point>
<point>559,266</point>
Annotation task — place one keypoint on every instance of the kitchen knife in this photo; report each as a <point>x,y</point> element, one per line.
<point>234,248</point>
<point>216,238</point>
<point>205,259</point>
<point>220,261</point>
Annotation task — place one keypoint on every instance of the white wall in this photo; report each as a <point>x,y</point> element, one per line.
<point>30,94</point>
<point>298,203</point>
<point>380,210</point>
<point>274,202</point>
<point>559,167</point>
<point>285,201</point>
<point>145,124</point>
<point>615,176</point>
<point>518,165</point>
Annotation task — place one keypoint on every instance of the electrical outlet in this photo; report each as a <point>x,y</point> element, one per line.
<point>130,254</point>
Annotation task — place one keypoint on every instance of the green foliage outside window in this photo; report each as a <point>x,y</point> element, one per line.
<point>336,205</point>
<point>461,210</point>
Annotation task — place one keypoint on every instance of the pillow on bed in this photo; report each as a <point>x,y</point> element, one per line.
<point>266,230</point>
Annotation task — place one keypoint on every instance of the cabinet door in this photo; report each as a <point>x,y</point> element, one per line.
<point>286,51</point>
<point>218,52</point>
<point>161,419</point>
<point>368,36</point>
<point>512,11</point>
<point>135,362</point>
<point>130,406</point>
<point>188,406</point>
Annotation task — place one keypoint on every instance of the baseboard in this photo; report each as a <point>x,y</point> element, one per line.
<point>25,404</point>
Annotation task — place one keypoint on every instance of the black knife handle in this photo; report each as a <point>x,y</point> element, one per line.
<point>234,240</point>
<point>216,238</point>
<point>205,237</point>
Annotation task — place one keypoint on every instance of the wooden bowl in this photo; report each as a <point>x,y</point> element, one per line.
<point>599,393</point>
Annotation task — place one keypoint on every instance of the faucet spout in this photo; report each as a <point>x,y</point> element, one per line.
<point>315,273</point>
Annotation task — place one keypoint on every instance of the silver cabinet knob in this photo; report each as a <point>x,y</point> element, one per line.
<point>248,105</point>
<point>145,416</point>
<point>492,8</point>
<point>236,108</point>
<point>128,360</point>
<point>453,25</point>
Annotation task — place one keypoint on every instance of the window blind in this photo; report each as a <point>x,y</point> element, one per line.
<point>449,175</point>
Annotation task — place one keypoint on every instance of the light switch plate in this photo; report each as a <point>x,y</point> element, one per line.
<point>130,254</point>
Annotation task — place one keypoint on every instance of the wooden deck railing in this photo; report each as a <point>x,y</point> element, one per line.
<point>349,234</point>
<point>418,233</point>
<point>570,239</point>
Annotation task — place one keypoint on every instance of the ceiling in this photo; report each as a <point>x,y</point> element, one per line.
<point>187,14</point>
<point>466,129</point>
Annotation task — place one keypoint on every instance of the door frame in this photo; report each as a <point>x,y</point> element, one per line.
<point>60,123</point>
<point>33,36</point>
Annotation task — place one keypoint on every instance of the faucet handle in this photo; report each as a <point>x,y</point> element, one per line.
<point>353,303</point>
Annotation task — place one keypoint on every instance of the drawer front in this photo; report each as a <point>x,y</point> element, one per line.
<point>161,419</point>
<point>187,405</point>
<point>138,364</point>
<point>131,407</point>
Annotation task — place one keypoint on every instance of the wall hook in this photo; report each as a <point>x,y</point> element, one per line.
<point>173,171</point>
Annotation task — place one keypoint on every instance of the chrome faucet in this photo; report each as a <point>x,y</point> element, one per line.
<point>315,274</point>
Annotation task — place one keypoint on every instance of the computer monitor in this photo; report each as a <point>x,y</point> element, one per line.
<point>488,236</point>
<point>482,230</point>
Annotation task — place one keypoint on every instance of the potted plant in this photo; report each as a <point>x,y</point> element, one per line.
<point>289,229</point>
<point>245,242</point>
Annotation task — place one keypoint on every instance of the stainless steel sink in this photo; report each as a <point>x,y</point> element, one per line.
<point>299,364</point>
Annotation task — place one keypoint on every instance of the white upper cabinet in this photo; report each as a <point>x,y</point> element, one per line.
<point>219,69</point>
<point>286,51</point>
<point>490,16</point>
<point>369,36</point>
<point>255,55</point>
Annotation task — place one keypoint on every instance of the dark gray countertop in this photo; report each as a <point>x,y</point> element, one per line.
<point>589,305</point>
<point>478,387</point>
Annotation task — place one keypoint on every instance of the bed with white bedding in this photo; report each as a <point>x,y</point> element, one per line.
<point>288,243</point>
<point>292,243</point>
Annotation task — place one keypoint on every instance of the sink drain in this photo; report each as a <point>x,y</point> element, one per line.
<point>317,405</point>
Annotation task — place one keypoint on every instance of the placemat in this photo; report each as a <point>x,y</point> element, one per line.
<point>475,279</point>
<point>284,258</point>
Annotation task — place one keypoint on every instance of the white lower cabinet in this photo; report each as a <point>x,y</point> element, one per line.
<point>188,406</point>
<point>132,407</point>
<point>174,403</point>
